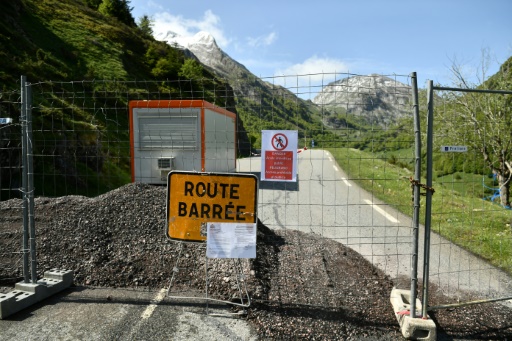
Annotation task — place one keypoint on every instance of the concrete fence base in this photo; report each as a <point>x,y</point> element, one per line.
<point>27,294</point>
<point>411,328</point>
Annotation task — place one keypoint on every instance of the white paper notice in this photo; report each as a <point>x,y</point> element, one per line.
<point>231,240</point>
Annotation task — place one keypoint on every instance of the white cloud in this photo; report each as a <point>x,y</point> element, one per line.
<point>184,29</point>
<point>315,66</point>
<point>269,39</point>
<point>313,73</point>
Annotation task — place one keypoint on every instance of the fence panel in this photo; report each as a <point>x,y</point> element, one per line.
<point>355,161</point>
<point>470,249</point>
<point>11,221</point>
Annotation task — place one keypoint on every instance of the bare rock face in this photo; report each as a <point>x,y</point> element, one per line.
<point>379,99</point>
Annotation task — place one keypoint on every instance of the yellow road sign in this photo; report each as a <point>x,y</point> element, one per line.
<point>194,199</point>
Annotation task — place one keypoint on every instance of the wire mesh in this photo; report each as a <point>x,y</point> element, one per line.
<point>343,176</point>
<point>11,221</point>
<point>355,159</point>
<point>470,250</point>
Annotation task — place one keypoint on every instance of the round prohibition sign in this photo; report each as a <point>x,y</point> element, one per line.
<point>279,141</point>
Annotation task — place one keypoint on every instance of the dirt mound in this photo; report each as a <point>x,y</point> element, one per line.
<point>302,285</point>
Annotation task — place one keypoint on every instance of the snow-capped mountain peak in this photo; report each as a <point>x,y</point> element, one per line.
<point>205,48</point>
<point>203,38</point>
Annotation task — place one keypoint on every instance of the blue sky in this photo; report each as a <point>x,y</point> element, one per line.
<point>275,38</point>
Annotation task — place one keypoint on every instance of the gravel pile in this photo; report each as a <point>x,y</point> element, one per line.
<point>302,285</point>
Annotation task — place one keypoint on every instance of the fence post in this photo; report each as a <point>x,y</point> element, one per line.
<point>29,234</point>
<point>24,178</point>
<point>428,200</point>
<point>30,185</point>
<point>416,194</point>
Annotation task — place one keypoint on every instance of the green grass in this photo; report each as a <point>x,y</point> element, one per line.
<point>481,186</point>
<point>459,212</point>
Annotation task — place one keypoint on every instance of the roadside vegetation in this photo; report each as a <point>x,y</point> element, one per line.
<point>460,213</point>
<point>471,204</point>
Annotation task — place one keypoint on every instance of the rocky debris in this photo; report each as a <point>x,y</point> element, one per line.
<point>322,290</point>
<point>301,285</point>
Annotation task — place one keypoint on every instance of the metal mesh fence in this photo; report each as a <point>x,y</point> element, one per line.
<point>355,159</point>
<point>11,221</point>
<point>470,250</point>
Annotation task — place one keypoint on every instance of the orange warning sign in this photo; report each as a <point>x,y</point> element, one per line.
<point>194,199</point>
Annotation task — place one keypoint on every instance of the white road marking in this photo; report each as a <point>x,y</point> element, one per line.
<point>147,313</point>
<point>344,179</point>
<point>381,211</point>
<point>346,182</point>
<point>151,308</point>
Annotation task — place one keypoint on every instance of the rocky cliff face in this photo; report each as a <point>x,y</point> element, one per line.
<point>380,99</point>
<point>204,47</point>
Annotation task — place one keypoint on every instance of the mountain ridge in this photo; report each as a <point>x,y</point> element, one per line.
<point>204,47</point>
<point>254,95</point>
<point>377,99</point>
<point>383,99</point>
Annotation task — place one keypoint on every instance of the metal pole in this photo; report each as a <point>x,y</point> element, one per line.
<point>428,200</point>
<point>465,304</point>
<point>30,186</point>
<point>416,194</point>
<point>24,177</point>
<point>484,91</point>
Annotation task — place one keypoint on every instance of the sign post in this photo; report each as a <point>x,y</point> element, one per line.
<point>279,155</point>
<point>195,199</point>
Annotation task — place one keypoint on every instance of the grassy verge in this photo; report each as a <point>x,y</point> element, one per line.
<point>459,212</point>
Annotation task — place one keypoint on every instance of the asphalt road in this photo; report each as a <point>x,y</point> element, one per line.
<point>122,314</point>
<point>327,202</point>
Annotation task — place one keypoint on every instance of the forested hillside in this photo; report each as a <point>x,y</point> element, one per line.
<point>68,40</point>
<point>71,46</point>
<point>96,47</point>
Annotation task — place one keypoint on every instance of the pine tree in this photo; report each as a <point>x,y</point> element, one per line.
<point>145,25</point>
<point>119,9</point>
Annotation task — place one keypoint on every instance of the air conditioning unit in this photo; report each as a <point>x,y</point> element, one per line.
<point>165,165</point>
